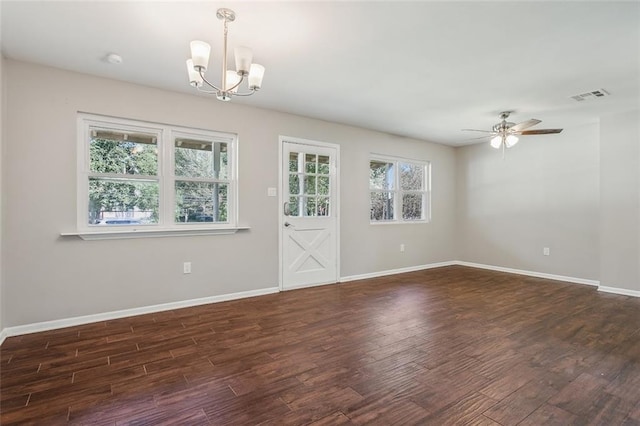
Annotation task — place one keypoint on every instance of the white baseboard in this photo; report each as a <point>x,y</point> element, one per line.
<point>299,287</point>
<point>395,271</point>
<point>530,273</point>
<point>474,265</point>
<point>69,322</point>
<point>618,290</point>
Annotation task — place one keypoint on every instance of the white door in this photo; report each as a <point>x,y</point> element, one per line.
<point>308,213</point>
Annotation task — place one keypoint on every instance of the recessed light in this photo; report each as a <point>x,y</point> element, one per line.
<point>114,58</point>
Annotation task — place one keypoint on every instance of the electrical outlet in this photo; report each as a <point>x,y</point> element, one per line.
<point>186,268</point>
<point>546,251</point>
<point>401,248</point>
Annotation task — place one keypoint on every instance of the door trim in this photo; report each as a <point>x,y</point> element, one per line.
<point>281,140</point>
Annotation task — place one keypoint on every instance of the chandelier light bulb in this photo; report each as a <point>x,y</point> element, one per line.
<point>232,81</point>
<point>195,79</point>
<point>243,59</point>
<point>256,74</point>
<point>200,55</point>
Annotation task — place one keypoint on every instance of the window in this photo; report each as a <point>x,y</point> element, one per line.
<point>153,176</point>
<point>309,183</point>
<point>202,180</point>
<point>399,190</point>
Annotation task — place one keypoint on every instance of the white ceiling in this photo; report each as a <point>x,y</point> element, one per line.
<point>418,69</point>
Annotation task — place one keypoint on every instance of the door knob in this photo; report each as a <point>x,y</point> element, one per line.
<point>287,224</point>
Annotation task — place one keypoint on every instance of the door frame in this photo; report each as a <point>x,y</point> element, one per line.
<point>281,141</point>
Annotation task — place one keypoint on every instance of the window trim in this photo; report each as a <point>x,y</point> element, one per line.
<point>398,192</point>
<point>166,226</point>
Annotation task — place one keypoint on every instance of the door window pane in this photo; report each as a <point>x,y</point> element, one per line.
<point>294,206</point>
<point>293,162</point>
<point>323,164</point>
<point>323,185</point>
<point>309,185</point>
<point>310,206</point>
<point>310,163</point>
<point>323,206</point>
<point>294,184</point>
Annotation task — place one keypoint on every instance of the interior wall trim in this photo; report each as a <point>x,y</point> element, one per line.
<point>69,322</point>
<point>87,319</point>
<point>395,271</point>
<point>618,290</point>
<point>530,273</point>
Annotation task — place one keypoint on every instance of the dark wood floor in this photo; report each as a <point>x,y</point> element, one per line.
<point>451,345</point>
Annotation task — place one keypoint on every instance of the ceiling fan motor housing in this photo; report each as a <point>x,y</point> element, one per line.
<point>503,126</point>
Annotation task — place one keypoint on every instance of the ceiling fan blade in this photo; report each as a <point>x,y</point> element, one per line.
<point>540,132</point>
<point>524,125</point>
<point>476,130</point>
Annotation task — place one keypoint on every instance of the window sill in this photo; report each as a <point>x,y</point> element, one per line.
<point>399,222</point>
<point>152,233</point>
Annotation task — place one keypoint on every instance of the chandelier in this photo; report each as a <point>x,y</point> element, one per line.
<point>231,80</point>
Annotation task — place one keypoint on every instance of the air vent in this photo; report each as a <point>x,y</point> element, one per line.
<point>590,95</point>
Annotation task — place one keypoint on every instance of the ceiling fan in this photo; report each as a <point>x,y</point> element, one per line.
<point>504,134</point>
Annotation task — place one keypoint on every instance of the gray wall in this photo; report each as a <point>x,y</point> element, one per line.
<point>2,112</point>
<point>47,277</point>
<point>620,201</point>
<point>543,194</point>
<point>577,193</point>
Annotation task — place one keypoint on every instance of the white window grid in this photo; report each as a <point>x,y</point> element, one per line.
<point>166,178</point>
<point>396,191</point>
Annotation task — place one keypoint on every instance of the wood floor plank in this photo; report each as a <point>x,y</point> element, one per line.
<point>520,404</point>
<point>463,411</point>
<point>549,415</point>
<point>451,345</point>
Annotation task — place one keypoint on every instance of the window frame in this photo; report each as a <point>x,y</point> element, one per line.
<point>230,181</point>
<point>166,135</point>
<point>398,192</point>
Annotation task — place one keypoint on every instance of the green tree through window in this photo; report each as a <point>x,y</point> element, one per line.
<point>158,176</point>
<point>111,161</point>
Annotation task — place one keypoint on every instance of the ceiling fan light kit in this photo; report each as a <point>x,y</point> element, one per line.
<point>231,80</point>
<point>503,134</point>
<point>508,141</point>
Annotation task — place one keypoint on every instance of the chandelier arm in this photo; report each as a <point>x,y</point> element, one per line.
<point>208,92</point>
<point>245,94</point>
<point>238,84</point>
<point>209,83</point>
